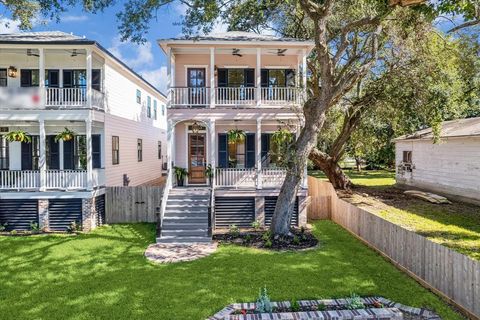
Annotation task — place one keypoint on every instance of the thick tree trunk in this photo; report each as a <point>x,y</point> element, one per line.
<point>332,170</point>
<point>306,141</point>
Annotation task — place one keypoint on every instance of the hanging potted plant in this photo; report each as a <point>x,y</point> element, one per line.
<point>209,172</point>
<point>235,136</point>
<point>282,137</point>
<point>18,136</point>
<point>65,135</point>
<point>180,174</point>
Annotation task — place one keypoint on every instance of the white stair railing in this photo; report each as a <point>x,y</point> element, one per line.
<point>273,177</point>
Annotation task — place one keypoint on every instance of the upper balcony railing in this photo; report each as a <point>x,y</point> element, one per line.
<point>49,98</point>
<point>192,97</point>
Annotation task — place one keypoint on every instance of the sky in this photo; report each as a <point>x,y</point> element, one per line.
<point>148,60</point>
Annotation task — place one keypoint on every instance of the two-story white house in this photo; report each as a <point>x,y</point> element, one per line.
<point>51,82</point>
<point>220,85</point>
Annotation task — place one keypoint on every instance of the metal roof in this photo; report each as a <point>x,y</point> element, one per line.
<point>453,128</point>
<point>59,37</point>
<point>238,36</point>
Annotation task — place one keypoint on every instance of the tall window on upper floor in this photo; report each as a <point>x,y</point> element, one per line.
<point>163,109</point>
<point>29,78</point>
<point>3,77</point>
<point>155,111</point>
<point>3,150</point>
<point>115,150</point>
<point>149,107</point>
<point>74,78</point>
<point>139,150</point>
<point>159,146</point>
<point>97,79</point>
<point>278,77</point>
<point>139,96</point>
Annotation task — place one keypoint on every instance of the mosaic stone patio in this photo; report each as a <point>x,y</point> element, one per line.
<point>178,252</point>
<point>390,310</point>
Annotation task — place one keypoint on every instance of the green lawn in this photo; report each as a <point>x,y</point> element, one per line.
<point>103,275</point>
<point>456,225</point>
<point>371,178</point>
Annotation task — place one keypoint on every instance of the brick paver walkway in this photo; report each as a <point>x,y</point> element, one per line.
<point>177,252</point>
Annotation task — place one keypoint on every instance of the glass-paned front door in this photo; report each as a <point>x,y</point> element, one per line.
<point>196,156</point>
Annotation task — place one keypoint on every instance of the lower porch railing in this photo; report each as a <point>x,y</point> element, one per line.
<point>247,177</point>
<point>55,179</point>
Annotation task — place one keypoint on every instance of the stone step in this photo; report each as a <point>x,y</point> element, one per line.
<point>186,232</point>
<point>184,212</point>
<point>186,218</point>
<point>183,225</point>
<point>186,239</point>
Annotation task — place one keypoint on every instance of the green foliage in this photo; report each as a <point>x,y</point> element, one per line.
<point>267,235</point>
<point>209,171</point>
<point>65,135</point>
<point>321,307</point>
<point>180,172</point>
<point>74,227</point>
<point>236,136</point>
<point>3,226</point>
<point>268,243</point>
<point>13,232</point>
<point>34,226</point>
<point>18,136</point>
<point>263,303</point>
<point>234,230</point>
<point>355,302</point>
<point>296,240</point>
<point>294,305</point>
<point>256,225</point>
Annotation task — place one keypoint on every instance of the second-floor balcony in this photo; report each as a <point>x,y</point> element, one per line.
<point>50,98</point>
<point>244,97</point>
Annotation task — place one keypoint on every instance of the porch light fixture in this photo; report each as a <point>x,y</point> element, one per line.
<point>195,127</point>
<point>12,72</point>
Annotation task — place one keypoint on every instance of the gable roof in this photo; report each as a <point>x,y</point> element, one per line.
<point>59,37</point>
<point>454,128</point>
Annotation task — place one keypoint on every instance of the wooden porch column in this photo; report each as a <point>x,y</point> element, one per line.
<point>88,125</point>
<point>213,149</point>
<point>258,75</point>
<point>258,150</point>
<point>41,75</point>
<point>42,161</point>
<point>60,151</point>
<point>88,57</point>
<point>170,77</point>
<point>170,140</point>
<point>212,77</point>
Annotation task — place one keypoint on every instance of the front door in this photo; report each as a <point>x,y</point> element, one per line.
<point>196,158</point>
<point>196,86</point>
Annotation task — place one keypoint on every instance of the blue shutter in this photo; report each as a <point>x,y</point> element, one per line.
<point>264,77</point>
<point>222,78</point>
<point>222,150</point>
<point>96,152</point>
<point>265,145</point>
<point>249,77</point>
<point>250,150</point>
<point>53,153</point>
<point>27,163</point>
<point>68,155</point>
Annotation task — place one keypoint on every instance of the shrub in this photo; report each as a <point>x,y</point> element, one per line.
<point>296,240</point>
<point>13,232</point>
<point>74,227</point>
<point>294,305</point>
<point>267,235</point>
<point>3,226</point>
<point>268,243</point>
<point>234,230</point>
<point>248,238</point>
<point>34,227</point>
<point>355,302</point>
<point>263,304</point>
<point>256,224</point>
<point>321,307</point>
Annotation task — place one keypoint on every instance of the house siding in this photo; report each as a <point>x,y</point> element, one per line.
<point>450,167</point>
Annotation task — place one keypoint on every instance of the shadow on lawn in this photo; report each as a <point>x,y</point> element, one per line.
<point>103,275</point>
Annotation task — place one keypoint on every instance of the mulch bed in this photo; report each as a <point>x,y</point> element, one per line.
<point>299,239</point>
<point>31,233</point>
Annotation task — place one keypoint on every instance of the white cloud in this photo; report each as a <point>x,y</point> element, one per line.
<point>72,18</point>
<point>157,77</point>
<point>133,55</point>
<point>9,26</point>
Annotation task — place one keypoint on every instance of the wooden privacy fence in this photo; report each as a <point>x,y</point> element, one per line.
<point>449,273</point>
<point>321,194</point>
<point>132,204</point>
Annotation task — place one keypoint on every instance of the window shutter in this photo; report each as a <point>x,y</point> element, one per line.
<point>53,78</point>
<point>265,146</point>
<point>96,152</point>
<point>25,78</point>
<point>53,153</point>
<point>249,77</point>
<point>264,77</point>
<point>250,150</point>
<point>290,77</point>
<point>27,163</point>
<point>222,150</point>
<point>67,78</point>
<point>68,155</point>
<point>222,78</point>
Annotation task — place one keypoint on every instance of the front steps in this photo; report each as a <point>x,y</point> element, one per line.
<point>186,216</point>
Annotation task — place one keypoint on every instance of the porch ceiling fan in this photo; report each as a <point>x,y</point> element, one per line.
<point>30,53</point>
<point>281,52</point>
<point>236,52</point>
<point>74,52</point>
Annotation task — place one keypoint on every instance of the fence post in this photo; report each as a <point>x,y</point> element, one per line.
<point>159,219</point>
